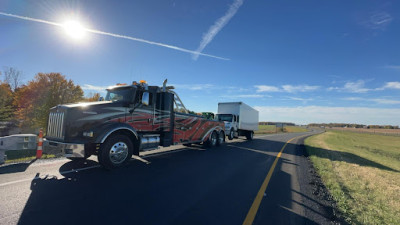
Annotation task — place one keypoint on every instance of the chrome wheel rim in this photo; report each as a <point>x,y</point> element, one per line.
<point>118,152</point>
<point>231,134</point>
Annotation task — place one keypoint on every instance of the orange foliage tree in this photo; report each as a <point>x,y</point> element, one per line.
<point>92,97</point>
<point>6,99</point>
<point>46,90</point>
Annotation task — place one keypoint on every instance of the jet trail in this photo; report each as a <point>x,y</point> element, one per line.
<point>217,26</point>
<point>115,35</point>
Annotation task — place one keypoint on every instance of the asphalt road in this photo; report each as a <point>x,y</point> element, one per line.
<point>178,185</point>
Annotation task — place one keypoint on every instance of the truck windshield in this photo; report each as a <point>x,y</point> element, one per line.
<point>225,117</point>
<point>120,94</point>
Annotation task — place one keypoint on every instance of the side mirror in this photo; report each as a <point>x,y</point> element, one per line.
<point>101,99</point>
<point>145,98</point>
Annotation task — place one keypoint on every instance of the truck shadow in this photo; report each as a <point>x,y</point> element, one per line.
<point>340,156</point>
<point>334,155</point>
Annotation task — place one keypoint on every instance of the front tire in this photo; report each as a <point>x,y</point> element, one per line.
<point>231,134</point>
<point>115,152</point>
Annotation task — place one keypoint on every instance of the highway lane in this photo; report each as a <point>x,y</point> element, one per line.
<point>184,186</point>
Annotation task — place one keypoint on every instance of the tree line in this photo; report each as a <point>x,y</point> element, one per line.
<point>352,125</point>
<point>27,105</point>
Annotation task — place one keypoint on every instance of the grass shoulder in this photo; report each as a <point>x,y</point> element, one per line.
<point>361,171</point>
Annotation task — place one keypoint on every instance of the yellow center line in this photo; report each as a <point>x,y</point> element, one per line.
<point>257,201</point>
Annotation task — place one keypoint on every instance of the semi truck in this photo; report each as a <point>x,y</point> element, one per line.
<point>239,118</point>
<point>131,119</point>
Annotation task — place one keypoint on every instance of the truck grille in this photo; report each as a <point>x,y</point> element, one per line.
<point>56,125</point>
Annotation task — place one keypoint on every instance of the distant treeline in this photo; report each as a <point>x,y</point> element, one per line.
<point>275,123</point>
<point>351,125</point>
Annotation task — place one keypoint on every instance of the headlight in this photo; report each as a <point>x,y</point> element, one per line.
<point>88,134</point>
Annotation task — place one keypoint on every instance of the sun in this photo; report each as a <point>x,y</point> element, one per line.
<point>74,29</point>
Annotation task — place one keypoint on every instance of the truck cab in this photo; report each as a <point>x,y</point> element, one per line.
<point>131,119</point>
<point>231,124</point>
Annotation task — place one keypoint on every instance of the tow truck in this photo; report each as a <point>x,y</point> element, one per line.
<point>131,119</point>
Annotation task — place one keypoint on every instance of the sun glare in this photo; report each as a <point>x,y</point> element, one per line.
<point>74,29</point>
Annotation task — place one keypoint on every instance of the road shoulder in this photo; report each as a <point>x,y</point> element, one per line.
<point>319,205</point>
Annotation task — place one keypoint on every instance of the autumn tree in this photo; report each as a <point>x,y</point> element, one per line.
<point>45,91</point>
<point>6,100</point>
<point>92,97</point>
<point>13,77</point>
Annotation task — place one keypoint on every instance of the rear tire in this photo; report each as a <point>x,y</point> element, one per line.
<point>116,151</point>
<point>212,140</point>
<point>250,135</point>
<point>221,138</point>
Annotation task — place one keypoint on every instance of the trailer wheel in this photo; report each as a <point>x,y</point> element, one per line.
<point>115,152</point>
<point>231,134</point>
<point>211,141</point>
<point>221,138</point>
<point>249,135</point>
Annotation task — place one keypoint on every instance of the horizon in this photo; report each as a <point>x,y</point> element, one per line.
<point>304,62</point>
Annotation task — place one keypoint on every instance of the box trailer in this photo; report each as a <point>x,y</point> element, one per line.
<point>239,118</point>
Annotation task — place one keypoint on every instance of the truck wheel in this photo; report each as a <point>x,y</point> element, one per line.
<point>212,140</point>
<point>221,138</point>
<point>249,135</point>
<point>231,134</point>
<point>115,152</point>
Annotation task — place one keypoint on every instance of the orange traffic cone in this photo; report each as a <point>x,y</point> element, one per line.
<point>39,150</point>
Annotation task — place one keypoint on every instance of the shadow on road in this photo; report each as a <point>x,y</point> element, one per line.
<point>16,168</point>
<point>215,186</point>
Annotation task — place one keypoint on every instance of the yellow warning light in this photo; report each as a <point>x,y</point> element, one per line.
<point>142,81</point>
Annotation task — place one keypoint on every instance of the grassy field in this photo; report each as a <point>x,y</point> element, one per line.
<point>266,129</point>
<point>362,172</point>
<point>294,129</point>
<point>393,132</point>
<point>271,129</point>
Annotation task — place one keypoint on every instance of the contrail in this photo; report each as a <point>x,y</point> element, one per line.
<point>115,35</point>
<point>218,25</point>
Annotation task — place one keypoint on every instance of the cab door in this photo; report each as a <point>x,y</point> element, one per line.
<point>142,117</point>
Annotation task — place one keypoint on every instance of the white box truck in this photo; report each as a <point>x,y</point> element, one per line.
<point>240,119</point>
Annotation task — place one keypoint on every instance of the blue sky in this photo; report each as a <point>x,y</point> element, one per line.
<point>295,61</point>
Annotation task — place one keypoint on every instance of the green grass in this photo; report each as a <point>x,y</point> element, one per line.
<point>294,129</point>
<point>24,155</point>
<point>266,129</point>
<point>271,129</point>
<point>361,172</point>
